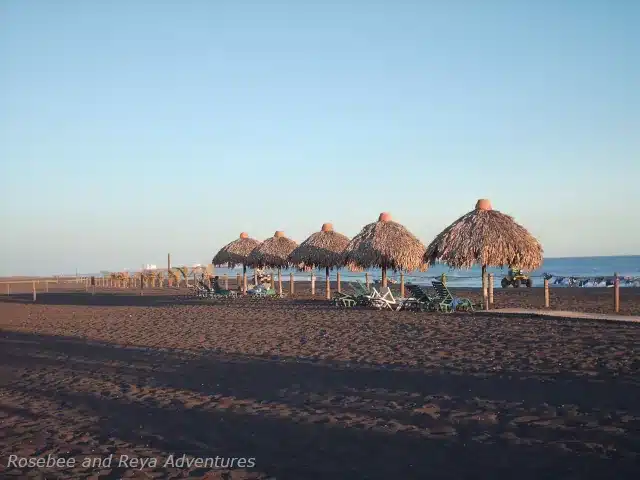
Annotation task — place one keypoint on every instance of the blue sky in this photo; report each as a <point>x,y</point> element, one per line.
<point>129,129</point>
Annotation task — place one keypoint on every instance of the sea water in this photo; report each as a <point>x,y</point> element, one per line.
<point>556,268</point>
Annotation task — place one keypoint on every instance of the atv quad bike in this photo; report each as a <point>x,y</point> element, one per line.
<point>516,277</point>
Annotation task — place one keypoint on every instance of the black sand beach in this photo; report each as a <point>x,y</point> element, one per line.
<point>315,392</point>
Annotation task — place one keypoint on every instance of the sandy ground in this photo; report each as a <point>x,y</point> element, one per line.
<point>314,392</point>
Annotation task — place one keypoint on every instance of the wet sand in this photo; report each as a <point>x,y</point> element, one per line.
<point>315,392</point>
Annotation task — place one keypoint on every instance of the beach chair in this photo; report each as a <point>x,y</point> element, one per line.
<point>218,292</point>
<point>272,293</point>
<point>360,288</point>
<point>344,300</point>
<point>359,295</point>
<point>371,295</point>
<point>257,292</point>
<point>384,299</point>
<point>363,295</point>
<point>196,291</point>
<point>204,291</point>
<point>339,298</point>
<point>446,302</point>
<point>419,298</point>
<point>262,292</point>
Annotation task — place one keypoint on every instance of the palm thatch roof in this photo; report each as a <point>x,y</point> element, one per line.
<point>485,237</point>
<point>272,253</point>
<point>236,252</point>
<point>385,244</point>
<point>323,249</point>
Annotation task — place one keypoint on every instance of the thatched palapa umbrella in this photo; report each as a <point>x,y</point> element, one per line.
<point>486,237</point>
<point>323,249</point>
<point>236,253</point>
<point>385,244</point>
<point>273,253</point>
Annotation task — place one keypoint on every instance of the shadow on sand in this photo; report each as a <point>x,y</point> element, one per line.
<point>127,298</point>
<point>288,440</point>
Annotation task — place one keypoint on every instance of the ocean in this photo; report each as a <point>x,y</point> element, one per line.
<point>578,271</point>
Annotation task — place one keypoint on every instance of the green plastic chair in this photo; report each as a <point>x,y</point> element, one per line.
<point>446,302</point>
<point>420,298</point>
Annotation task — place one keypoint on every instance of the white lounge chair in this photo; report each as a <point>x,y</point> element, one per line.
<point>384,299</point>
<point>197,291</point>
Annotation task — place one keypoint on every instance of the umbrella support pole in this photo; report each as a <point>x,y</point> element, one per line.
<point>546,293</point>
<point>244,279</point>
<point>491,290</point>
<point>328,285</point>
<point>616,293</point>
<point>485,293</point>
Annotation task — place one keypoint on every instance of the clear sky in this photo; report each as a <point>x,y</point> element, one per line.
<point>129,129</point>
